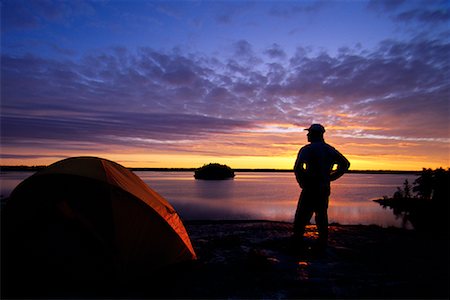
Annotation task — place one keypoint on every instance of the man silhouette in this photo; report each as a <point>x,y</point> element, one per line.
<point>314,171</point>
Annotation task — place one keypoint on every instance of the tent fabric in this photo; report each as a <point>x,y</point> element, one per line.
<point>116,175</point>
<point>86,211</point>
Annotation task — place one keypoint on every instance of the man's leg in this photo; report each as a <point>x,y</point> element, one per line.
<point>322,225</point>
<point>322,217</point>
<point>302,215</point>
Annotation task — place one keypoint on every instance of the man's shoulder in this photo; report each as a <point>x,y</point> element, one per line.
<point>329,146</point>
<point>333,151</point>
<point>305,148</point>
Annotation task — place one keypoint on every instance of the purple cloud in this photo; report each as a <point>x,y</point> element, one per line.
<point>275,52</point>
<point>153,97</point>
<point>425,16</point>
<point>433,13</point>
<point>386,5</point>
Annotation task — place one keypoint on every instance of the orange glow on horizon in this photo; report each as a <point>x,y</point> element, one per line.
<point>241,162</point>
<point>271,146</point>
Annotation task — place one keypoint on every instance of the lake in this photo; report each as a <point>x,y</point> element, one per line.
<point>263,195</point>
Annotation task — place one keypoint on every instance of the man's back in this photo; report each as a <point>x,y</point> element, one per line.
<point>314,164</point>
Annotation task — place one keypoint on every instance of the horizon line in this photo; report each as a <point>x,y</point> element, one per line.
<point>39,167</point>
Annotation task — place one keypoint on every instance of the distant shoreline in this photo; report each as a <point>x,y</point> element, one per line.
<point>37,168</point>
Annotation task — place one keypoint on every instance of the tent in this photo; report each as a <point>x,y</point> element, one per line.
<point>89,219</point>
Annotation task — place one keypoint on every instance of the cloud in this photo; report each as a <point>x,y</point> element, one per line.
<point>425,16</point>
<point>385,5</point>
<point>29,156</point>
<point>243,48</point>
<point>275,52</point>
<point>175,100</point>
<point>109,127</point>
<point>224,18</point>
<point>434,13</point>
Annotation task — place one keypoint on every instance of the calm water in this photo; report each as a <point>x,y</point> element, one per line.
<point>270,196</point>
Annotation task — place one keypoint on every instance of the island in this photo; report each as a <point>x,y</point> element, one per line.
<point>214,171</point>
<point>425,204</point>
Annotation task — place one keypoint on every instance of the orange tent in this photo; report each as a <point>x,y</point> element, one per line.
<point>91,217</point>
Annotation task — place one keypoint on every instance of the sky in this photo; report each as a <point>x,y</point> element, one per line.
<point>186,83</point>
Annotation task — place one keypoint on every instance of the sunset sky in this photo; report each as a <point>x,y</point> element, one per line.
<point>185,83</point>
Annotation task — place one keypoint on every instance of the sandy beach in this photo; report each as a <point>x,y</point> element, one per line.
<point>258,260</point>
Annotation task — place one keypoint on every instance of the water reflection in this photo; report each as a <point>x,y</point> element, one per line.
<point>214,189</point>
<point>9,180</point>
<point>271,196</point>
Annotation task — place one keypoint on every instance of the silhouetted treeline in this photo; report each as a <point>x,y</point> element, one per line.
<point>425,203</point>
<point>21,168</point>
<point>37,168</point>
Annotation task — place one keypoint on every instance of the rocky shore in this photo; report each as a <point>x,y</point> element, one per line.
<point>258,259</point>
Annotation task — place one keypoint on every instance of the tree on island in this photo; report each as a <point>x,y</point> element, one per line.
<point>428,208</point>
<point>214,171</point>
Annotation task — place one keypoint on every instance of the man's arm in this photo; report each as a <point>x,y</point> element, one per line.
<point>342,166</point>
<point>299,168</point>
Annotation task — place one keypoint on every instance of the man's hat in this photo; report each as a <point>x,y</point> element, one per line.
<point>316,128</point>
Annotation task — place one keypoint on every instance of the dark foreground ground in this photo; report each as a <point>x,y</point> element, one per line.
<point>259,260</point>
